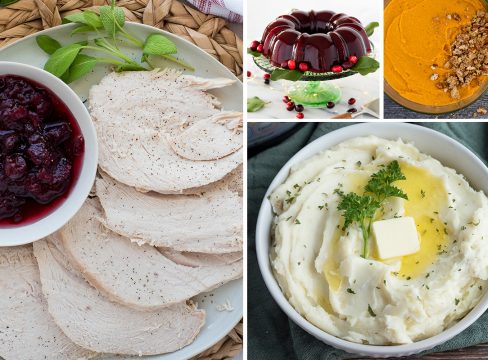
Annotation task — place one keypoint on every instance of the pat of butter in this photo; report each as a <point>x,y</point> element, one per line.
<point>396,237</point>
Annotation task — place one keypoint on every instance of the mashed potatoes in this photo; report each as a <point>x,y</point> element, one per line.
<point>395,301</point>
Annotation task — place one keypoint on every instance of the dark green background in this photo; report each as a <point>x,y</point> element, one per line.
<point>270,334</point>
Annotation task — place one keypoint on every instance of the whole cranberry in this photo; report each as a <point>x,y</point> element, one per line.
<point>254,45</point>
<point>303,67</point>
<point>260,48</point>
<point>330,105</point>
<point>353,59</point>
<point>351,101</point>
<point>15,166</point>
<point>299,108</point>
<point>300,115</point>
<point>292,64</point>
<point>347,65</point>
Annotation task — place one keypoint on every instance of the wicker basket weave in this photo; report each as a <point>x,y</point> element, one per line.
<point>208,32</point>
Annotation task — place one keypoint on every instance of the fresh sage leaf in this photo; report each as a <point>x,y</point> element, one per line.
<point>157,44</point>
<point>366,65</point>
<point>7,2</point>
<point>255,103</point>
<point>81,29</point>
<point>93,19</point>
<point>113,18</point>
<point>253,52</point>
<point>370,28</point>
<point>81,66</point>
<point>129,67</point>
<point>60,61</point>
<point>48,44</point>
<point>75,18</point>
<point>285,74</point>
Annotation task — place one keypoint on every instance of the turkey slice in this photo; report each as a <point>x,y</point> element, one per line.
<point>210,139</point>
<point>94,322</point>
<point>27,330</point>
<point>134,112</point>
<point>200,259</point>
<point>210,223</point>
<point>137,276</point>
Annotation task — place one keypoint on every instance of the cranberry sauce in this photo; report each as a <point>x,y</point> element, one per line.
<point>41,151</point>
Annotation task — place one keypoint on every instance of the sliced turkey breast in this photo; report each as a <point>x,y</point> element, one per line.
<point>27,330</point>
<point>200,259</point>
<point>134,112</point>
<point>211,139</point>
<point>232,181</point>
<point>137,276</point>
<point>210,223</point>
<point>94,322</point>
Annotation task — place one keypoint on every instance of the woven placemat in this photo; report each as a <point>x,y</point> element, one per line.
<point>208,32</point>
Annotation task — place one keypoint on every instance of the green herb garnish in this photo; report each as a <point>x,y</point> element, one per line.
<point>350,291</point>
<point>361,209</point>
<point>456,301</point>
<point>69,63</point>
<point>370,28</point>
<point>371,312</point>
<point>255,103</point>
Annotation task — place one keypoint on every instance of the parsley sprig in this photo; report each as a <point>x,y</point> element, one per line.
<point>361,209</point>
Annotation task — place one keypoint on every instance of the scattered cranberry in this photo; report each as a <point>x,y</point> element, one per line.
<point>353,59</point>
<point>352,110</point>
<point>303,67</point>
<point>284,64</point>
<point>299,108</point>
<point>286,99</point>
<point>248,74</point>
<point>290,106</point>
<point>300,115</point>
<point>266,81</point>
<point>260,48</point>
<point>347,65</point>
<point>351,101</point>
<point>336,68</point>
<point>254,45</point>
<point>266,76</point>
<point>330,105</point>
<point>292,64</point>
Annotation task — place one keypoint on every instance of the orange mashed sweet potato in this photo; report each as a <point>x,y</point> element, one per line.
<point>418,36</point>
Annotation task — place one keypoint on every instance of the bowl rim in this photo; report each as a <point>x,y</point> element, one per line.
<point>59,216</point>
<point>262,243</point>
<point>431,109</point>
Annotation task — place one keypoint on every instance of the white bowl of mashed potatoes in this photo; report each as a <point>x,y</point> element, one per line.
<point>325,265</point>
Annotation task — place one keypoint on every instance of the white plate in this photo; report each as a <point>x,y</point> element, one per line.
<point>218,324</point>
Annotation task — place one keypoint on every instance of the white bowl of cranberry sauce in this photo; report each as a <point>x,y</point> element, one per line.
<point>48,153</point>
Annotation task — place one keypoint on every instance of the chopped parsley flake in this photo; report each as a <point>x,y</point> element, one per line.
<point>350,291</point>
<point>456,301</point>
<point>371,312</point>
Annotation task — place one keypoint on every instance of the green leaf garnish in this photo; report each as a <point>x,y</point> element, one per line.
<point>157,44</point>
<point>350,291</point>
<point>69,63</point>
<point>61,59</point>
<point>361,209</point>
<point>370,28</point>
<point>113,19</point>
<point>371,312</point>
<point>7,2</point>
<point>380,183</point>
<point>366,65</point>
<point>285,74</point>
<point>255,103</point>
<point>81,66</point>
<point>253,52</point>
<point>48,44</point>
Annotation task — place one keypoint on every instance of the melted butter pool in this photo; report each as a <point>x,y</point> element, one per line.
<point>426,197</point>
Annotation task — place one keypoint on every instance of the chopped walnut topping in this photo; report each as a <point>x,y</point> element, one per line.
<point>468,59</point>
<point>481,110</point>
